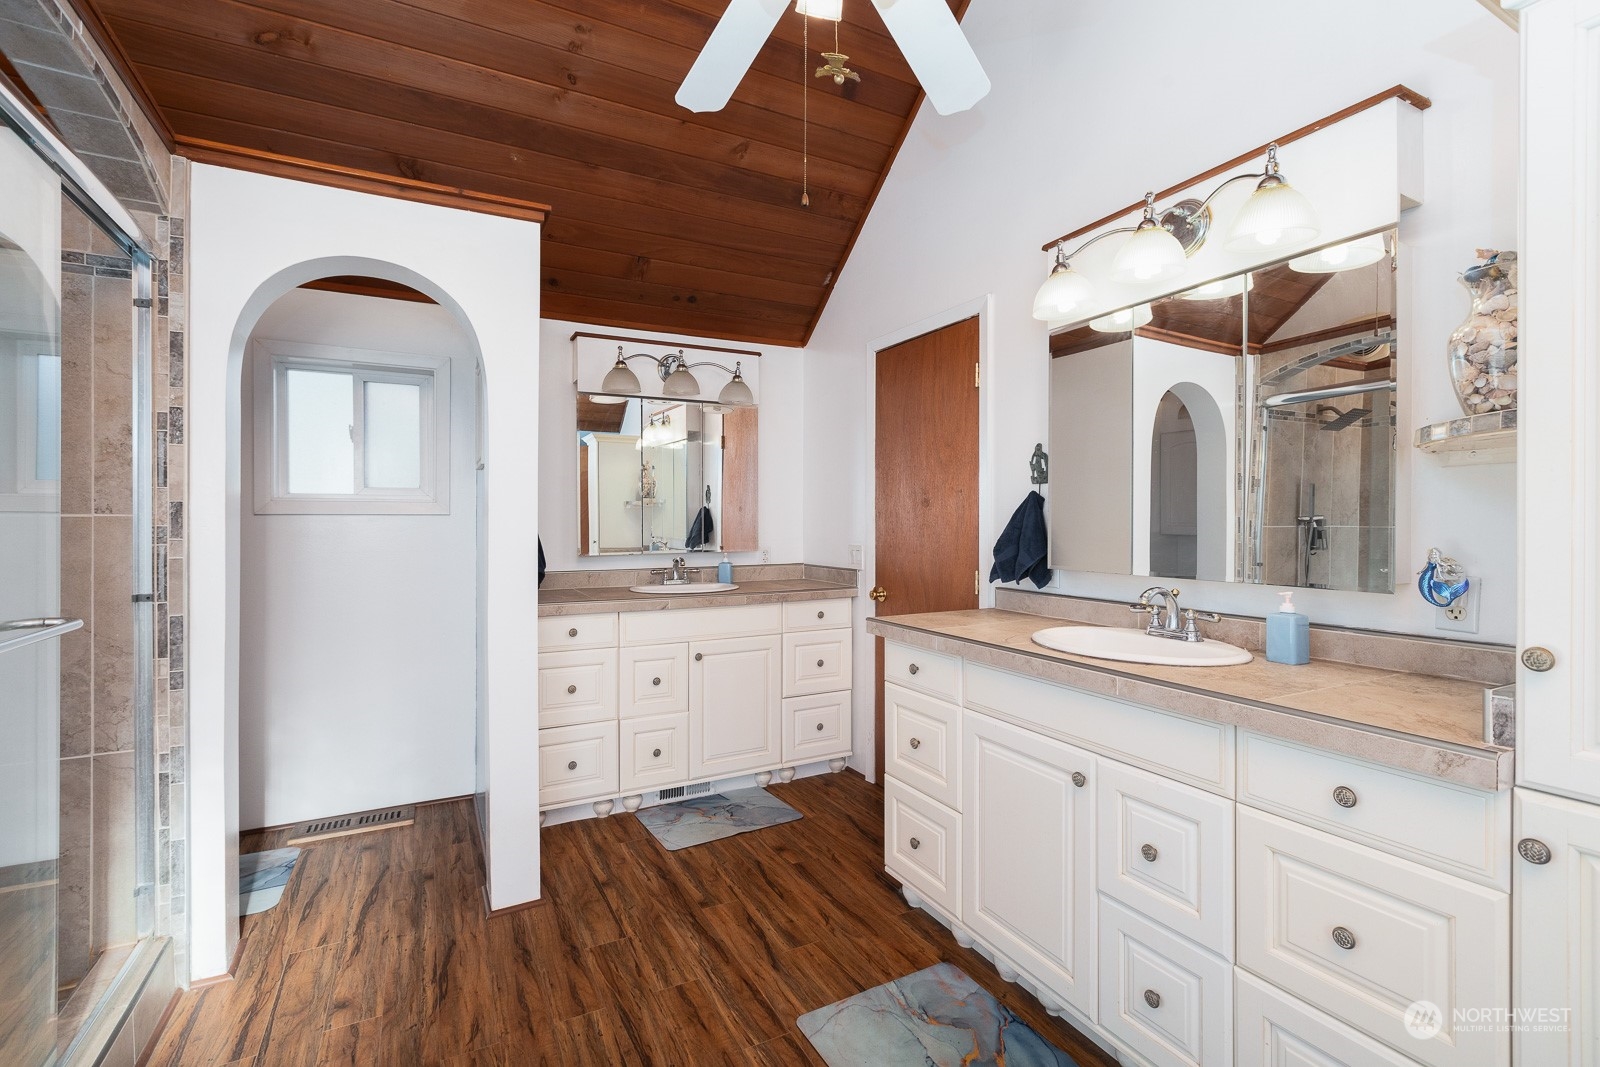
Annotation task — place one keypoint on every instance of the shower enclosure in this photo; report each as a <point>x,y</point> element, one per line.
<point>77,769</point>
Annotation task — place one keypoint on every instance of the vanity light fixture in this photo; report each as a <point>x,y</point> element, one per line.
<point>1123,321</point>
<point>1362,252</point>
<point>673,369</point>
<point>1276,216</point>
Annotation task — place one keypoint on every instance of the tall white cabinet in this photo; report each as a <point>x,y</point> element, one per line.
<point>1557,875</point>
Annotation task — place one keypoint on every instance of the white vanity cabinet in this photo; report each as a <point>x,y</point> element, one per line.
<point>1196,894</point>
<point>637,701</point>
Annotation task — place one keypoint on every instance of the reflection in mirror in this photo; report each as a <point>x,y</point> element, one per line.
<point>1284,374</point>
<point>664,475</point>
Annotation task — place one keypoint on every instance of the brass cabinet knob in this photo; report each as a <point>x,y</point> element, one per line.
<point>1149,853</point>
<point>879,593</point>
<point>572,632</point>
<point>571,689</point>
<point>1343,938</point>
<point>1344,796</point>
<point>1152,998</point>
<point>1538,659</point>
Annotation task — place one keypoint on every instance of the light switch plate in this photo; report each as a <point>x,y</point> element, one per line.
<point>855,557</point>
<point>1462,616</point>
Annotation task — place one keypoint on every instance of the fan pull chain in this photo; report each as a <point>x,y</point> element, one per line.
<point>805,112</point>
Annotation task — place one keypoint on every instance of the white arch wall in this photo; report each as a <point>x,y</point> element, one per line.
<point>252,238</point>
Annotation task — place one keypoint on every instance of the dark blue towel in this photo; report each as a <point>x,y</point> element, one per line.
<point>1023,546</point>
<point>540,541</point>
<point>700,530</point>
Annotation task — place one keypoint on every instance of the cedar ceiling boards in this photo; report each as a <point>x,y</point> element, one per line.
<point>660,218</point>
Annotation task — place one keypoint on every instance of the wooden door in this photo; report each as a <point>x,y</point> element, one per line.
<point>1558,543</point>
<point>740,498</point>
<point>926,503</point>
<point>1556,932</point>
<point>1028,852</point>
<point>735,705</point>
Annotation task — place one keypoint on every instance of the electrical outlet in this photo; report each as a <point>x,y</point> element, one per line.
<point>855,557</point>
<point>1462,616</point>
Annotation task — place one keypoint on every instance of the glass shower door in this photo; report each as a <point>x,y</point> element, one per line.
<point>30,573</point>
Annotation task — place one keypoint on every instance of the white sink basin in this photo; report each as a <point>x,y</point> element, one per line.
<point>687,587</point>
<point>1136,646</point>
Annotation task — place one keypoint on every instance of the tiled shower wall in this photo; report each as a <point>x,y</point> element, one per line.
<point>97,685</point>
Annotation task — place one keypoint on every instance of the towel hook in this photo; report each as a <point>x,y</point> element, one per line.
<point>1039,465</point>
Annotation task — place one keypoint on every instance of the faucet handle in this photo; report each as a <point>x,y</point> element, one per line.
<point>1190,614</point>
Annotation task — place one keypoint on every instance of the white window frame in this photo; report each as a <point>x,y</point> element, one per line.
<point>274,359</point>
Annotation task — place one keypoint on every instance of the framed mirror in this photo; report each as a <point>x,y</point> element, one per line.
<point>664,475</point>
<point>1243,430</point>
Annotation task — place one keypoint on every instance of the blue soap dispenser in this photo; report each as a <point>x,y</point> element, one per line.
<point>725,571</point>
<point>1288,634</point>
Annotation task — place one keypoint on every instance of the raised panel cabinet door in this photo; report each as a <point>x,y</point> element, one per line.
<point>1028,852</point>
<point>1556,931</point>
<point>654,679</point>
<point>816,728</point>
<point>1558,425</point>
<point>735,705</point>
<point>1277,1030</point>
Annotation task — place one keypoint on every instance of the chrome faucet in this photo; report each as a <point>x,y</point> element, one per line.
<point>677,574</point>
<point>1179,625</point>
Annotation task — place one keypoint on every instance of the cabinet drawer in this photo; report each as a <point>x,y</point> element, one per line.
<point>1200,753</point>
<point>1458,830</point>
<point>933,673</point>
<point>558,632</point>
<point>816,727</point>
<point>816,662</point>
<point>921,743</point>
<point>577,763</point>
<point>1163,996</point>
<point>578,686</point>
<point>816,615</point>
<point>654,679</point>
<point>699,624</point>
<point>654,751</point>
<point>1364,935</point>
<point>1277,1030</point>
<point>1166,850</point>
<point>922,845</point>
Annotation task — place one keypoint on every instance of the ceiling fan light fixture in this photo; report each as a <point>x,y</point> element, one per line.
<point>832,10</point>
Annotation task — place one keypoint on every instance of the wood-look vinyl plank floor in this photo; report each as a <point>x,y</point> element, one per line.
<point>380,954</point>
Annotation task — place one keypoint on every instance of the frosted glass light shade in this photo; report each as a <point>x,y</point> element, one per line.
<point>1362,252</point>
<point>1123,321</point>
<point>1150,255</point>
<point>1061,295</point>
<point>620,379</point>
<point>1275,216</point>
<point>737,392</point>
<point>833,10</point>
<point>681,383</point>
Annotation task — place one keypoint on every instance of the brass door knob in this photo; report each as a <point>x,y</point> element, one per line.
<point>879,593</point>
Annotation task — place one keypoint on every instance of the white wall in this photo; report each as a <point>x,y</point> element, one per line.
<point>1088,110</point>
<point>252,239</point>
<point>357,665</point>
<point>781,444</point>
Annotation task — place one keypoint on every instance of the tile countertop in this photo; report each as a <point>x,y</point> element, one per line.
<point>588,600</point>
<point>1412,722</point>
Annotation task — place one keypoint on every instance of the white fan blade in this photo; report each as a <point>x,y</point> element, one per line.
<point>732,47</point>
<point>931,40</point>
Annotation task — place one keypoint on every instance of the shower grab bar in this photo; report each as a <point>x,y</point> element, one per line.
<point>1285,399</point>
<point>32,631</point>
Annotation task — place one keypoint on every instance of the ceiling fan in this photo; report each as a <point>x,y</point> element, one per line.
<point>929,37</point>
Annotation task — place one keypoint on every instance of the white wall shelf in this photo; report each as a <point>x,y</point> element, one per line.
<point>1473,439</point>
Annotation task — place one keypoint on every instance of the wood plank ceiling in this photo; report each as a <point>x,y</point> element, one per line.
<point>661,219</point>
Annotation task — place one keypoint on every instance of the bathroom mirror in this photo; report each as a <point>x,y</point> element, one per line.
<point>664,475</point>
<point>1243,430</point>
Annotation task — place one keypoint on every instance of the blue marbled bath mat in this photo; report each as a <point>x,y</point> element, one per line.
<point>262,878</point>
<point>711,818</point>
<point>937,1017</point>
